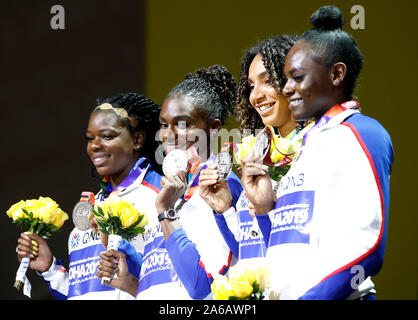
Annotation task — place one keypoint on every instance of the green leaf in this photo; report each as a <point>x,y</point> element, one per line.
<point>138,230</point>
<point>138,221</point>
<point>99,213</point>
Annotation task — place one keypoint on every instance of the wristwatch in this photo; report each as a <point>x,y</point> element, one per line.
<point>170,214</point>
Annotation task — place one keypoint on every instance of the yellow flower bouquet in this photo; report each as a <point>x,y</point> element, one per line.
<point>244,282</point>
<point>41,216</point>
<point>120,220</point>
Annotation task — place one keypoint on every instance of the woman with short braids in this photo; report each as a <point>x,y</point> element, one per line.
<point>326,226</point>
<point>145,112</point>
<point>185,250</point>
<point>121,145</point>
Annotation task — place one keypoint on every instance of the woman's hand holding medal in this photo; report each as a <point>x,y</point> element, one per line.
<point>214,190</point>
<point>174,182</point>
<point>257,184</point>
<point>174,187</point>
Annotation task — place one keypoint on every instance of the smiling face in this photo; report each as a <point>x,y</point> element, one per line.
<point>182,125</point>
<point>310,87</point>
<point>110,145</point>
<point>270,105</point>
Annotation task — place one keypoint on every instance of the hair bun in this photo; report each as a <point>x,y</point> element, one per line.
<point>327,18</point>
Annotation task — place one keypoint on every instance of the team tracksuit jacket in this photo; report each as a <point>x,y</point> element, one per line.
<point>327,232</point>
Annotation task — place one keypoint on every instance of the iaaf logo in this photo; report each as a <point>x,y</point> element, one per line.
<point>75,240</point>
<point>84,238</point>
<point>243,201</point>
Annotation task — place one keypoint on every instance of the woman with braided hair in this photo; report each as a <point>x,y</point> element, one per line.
<point>121,146</point>
<point>326,226</point>
<point>184,247</point>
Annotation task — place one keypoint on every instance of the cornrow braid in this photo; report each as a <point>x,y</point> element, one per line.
<point>212,89</point>
<point>273,52</point>
<point>146,112</point>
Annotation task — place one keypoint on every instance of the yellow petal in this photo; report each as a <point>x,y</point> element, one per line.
<point>60,218</point>
<point>240,278</point>
<point>15,211</point>
<point>221,288</point>
<point>144,221</point>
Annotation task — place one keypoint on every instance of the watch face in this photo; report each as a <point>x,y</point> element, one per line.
<point>262,144</point>
<point>175,161</point>
<point>81,213</point>
<point>171,214</point>
<point>224,163</point>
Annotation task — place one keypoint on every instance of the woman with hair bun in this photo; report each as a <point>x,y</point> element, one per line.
<point>183,245</point>
<point>326,231</point>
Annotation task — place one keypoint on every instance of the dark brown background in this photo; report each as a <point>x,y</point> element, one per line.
<point>50,80</point>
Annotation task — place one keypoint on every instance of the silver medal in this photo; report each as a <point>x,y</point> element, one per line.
<point>262,144</point>
<point>224,163</point>
<point>81,213</point>
<point>175,161</point>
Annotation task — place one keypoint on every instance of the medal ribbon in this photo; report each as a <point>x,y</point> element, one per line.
<point>267,159</point>
<point>335,110</point>
<point>137,169</point>
<point>194,179</point>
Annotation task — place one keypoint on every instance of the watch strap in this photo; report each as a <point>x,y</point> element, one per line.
<point>165,215</point>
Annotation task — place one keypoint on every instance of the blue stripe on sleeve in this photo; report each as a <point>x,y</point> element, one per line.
<point>264,223</point>
<point>234,184</point>
<point>185,260</point>
<point>133,258</point>
<point>378,143</point>
<point>227,234</point>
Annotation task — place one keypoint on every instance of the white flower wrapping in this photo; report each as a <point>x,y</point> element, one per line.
<point>113,242</point>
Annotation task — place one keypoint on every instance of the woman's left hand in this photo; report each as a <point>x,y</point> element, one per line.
<point>257,184</point>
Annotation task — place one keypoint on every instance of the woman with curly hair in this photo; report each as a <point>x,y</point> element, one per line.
<point>260,102</point>
<point>259,97</point>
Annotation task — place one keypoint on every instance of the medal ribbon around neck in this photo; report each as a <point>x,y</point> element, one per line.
<point>137,170</point>
<point>195,167</point>
<point>331,113</point>
<point>267,159</point>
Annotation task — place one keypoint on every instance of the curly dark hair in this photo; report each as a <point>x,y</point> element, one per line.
<point>146,112</point>
<point>331,45</point>
<point>211,89</point>
<point>273,52</point>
